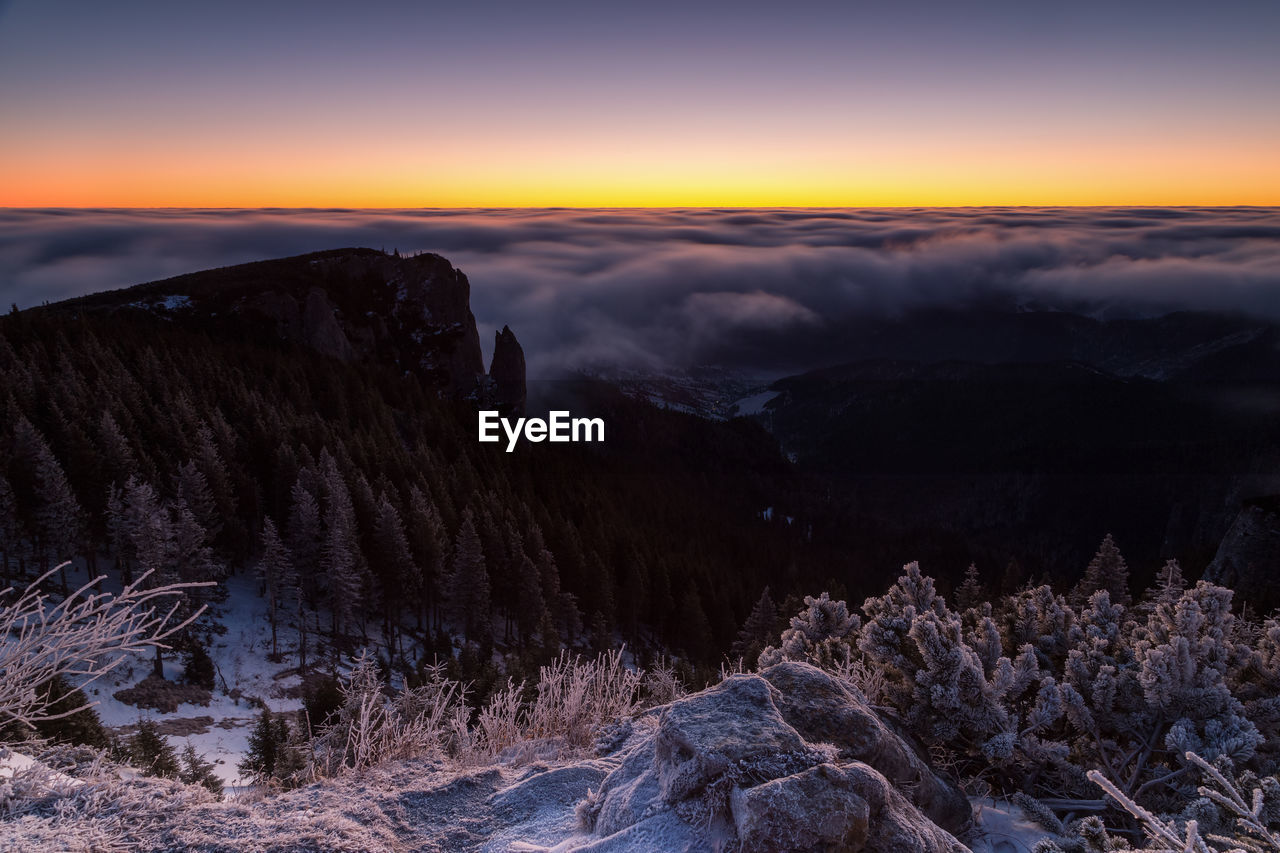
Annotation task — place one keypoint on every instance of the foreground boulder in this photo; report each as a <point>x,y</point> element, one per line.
<point>787,760</point>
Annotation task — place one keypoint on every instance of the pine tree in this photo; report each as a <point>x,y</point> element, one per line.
<point>531,610</point>
<point>151,753</point>
<point>340,553</point>
<point>118,458</point>
<point>1107,570</point>
<point>265,743</point>
<point>82,727</point>
<point>757,632</point>
<point>10,530</point>
<point>275,570</point>
<point>695,630</point>
<point>429,541</point>
<point>192,488</point>
<point>395,564</point>
<point>305,539</point>
<point>970,593</point>
<point>552,596</point>
<point>57,515</point>
<point>196,771</point>
<point>468,592</point>
<point>191,558</point>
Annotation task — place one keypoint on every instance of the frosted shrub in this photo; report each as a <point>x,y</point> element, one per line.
<point>370,728</point>
<point>1240,815</point>
<point>576,697</point>
<point>1029,694</point>
<point>820,635</point>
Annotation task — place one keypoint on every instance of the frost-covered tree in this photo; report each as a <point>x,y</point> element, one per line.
<point>10,528</point>
<point>194,770</point>
<point>276,572</point>
<point>970,593</point>
<point>151,753</point>
<point>429,542</point>
<point>118,458</point>
<point>56,517</point>
<point>1183,657</point>
<point>340,553</point>
<point>757,631</point>
<point>821,634</point>
<point>468,588</point>
<point>306,535</point>
<point>1107,570</point>
<point>191,487</point>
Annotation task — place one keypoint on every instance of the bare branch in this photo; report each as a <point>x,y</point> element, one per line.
<point>84,636</point>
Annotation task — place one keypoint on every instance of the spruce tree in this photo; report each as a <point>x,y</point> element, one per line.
<point>1107,570</point>
<point>259,762</point>
<point>57,516</point>
<point>531,609</point>
<point>151,753</point>
<point>275,570</point>
<point>760,629</point>
<point>305,538</point>
<point>117,455</point>
<point>340,552</point>
<point>192,487</point>
<point>194,770</point>
<point>429,541</point>
<point>10,530</point>
<point>970,593</point>
<point>468,592</point>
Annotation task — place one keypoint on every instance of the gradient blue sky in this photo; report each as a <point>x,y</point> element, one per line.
<point>140,103</point>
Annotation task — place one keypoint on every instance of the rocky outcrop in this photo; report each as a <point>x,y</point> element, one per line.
<point>825,710</point>
<point>350,304</point>
<point>786,760</point>
<point>836,807</point>
<point>1248,557</point>
<point>507,372</point>
<point>312,322</point>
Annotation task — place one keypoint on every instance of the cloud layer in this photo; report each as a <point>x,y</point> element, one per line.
<point>762,290</point>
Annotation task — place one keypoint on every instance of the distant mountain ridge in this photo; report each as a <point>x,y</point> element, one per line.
<point>351,304</point>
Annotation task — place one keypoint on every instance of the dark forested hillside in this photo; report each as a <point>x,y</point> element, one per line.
<point>141,439</point>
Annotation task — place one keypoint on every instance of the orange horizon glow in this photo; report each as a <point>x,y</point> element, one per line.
<point>682,105</point>
<point>715,163</point>
<point>1004,178</point>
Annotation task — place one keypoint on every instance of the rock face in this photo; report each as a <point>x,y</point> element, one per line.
<point>350,304</point>
<point>1249,556</point>
<point>788,760</point>
<point>507,371</point>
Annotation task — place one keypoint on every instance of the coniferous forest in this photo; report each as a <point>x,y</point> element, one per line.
<point>184,450</point>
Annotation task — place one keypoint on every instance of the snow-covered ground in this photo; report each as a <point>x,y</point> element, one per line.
<point>753,405</point>
<point>219,730</point>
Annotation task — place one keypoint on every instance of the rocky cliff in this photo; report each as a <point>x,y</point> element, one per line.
<point>507,371</point>
<point>1248,559</point>
<point>412,312</point>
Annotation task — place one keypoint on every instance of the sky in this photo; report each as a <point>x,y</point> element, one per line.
<point>142,103</point>
<point>764,291</point>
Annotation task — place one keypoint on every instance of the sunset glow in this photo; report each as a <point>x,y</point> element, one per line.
<point>146,106</point>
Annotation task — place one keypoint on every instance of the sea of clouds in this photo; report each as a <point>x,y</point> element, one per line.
<point>764,291</point>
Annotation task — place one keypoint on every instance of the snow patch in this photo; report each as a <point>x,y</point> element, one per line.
<point>755,404</point>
